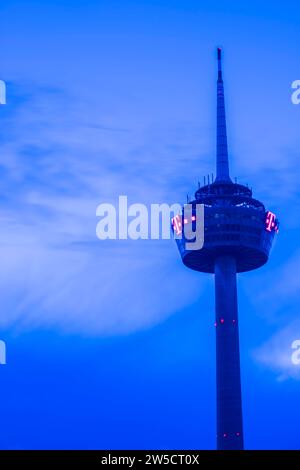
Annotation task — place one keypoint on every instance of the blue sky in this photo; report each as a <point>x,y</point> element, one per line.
<point>111,345</point>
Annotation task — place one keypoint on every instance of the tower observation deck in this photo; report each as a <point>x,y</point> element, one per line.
<point>238,235</point>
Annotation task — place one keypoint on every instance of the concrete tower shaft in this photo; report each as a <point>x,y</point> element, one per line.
<point>229,396</point>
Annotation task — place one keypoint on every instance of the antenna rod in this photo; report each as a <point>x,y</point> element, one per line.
<point>222,149</point>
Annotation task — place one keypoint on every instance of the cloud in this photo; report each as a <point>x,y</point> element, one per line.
<point>58,163</point>
<point>278,299</point>
<point>64,152</point>
<point>276,352</point>
<point>277,290</point>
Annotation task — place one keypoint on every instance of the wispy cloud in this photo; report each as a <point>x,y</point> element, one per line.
<point>57,168</point>
<point>277,300</point>
<point>66,149</point>
<point>276,352</point>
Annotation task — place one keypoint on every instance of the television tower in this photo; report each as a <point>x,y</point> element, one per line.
<point>238,235</point>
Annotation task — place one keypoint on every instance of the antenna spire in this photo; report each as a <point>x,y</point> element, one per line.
<point>222,149</point>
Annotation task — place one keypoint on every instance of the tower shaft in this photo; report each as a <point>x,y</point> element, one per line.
<point>229,397</point>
